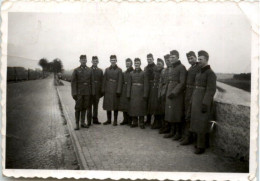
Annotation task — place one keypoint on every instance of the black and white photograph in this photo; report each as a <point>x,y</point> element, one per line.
<point>142,90</point>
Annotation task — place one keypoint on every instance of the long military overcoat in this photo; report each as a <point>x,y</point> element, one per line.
<point>190,86</point>
<point>204,92</point>
<point>97,75</point>
<point>149,71</point>
<point>137,91</point>
<point>124,101</point>
<point>163,87</point>
<point>112,85</point>
<point>155,104</point>
<point>174,107</point>
<point>81,81</point>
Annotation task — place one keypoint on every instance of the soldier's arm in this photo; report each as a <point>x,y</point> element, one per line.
<point>74,83</point>
<point>182,81</point>
<point>210,89</point>
<point>146,85</point>
<point>160,84</point>
<point>129,86</point>
<point>120,82</point>
<point>92,83</point>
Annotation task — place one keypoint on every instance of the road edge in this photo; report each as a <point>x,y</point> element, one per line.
<point>77,148</point>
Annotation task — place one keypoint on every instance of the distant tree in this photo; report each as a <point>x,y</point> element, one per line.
<point>57,65</point>
<point>43,62</point>
<point>242,76</point>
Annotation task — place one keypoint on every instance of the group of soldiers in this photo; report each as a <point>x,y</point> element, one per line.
<point>179,100</point>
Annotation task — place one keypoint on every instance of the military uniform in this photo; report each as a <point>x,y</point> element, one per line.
<point>201,105</point>
<point>175,96</point>
<point>149,71</point>
<point>124,101</point>
<point>81,90</point>
<point>137,91</point>
<point>112,87</point>
<point>97,74</point>
<point>190,85</point>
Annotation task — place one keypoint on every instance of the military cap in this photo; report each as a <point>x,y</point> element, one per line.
<point>83,57</point>
<point>149,55</point>
<point>94,58</point>
<point>137,60</point>
<point>160,60</point>
<point>128,60</point>
<point>174,52</point>
<point>191,53</point>
<point>166,56</point>
<point>203,53</point>
<point>113,57</point>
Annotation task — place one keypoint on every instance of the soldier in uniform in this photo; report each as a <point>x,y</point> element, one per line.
<point>202,99</point>
<point>124,101</point>
<point>81,90</point>
<point>155,102</point>
<point>162,94</point>
<point>149,71</point>
<point>137,92</point>
<point>111,88</point>
<point>175,95</point>
<point>97,74</point>
<point>190,85</point>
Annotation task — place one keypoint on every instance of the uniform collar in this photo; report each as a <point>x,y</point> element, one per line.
<point>151,65</point>
<point>138,70</point>
<point>94,67</point>
<point>176,64</point>
<point>83,67</point>
<point>111,67</point>
<point>203,69</point>
<point>130,69</point>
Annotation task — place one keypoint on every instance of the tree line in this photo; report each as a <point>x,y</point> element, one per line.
<point>55,66</point>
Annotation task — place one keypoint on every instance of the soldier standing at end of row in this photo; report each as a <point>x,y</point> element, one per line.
<point>190,86</point>
<point>111,88</point>
<point>124,101</point>
<point>175,95</point>
<point>137,92</point>
<point>149,71</point>
<point>155,102</point>
<point>202,100</point>
<point>81,90</point>
<point>97,74</point>
<point>162,94</point>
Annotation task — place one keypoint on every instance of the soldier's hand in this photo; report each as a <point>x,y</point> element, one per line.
<point>171,96</point>
<point>204,108</point>
<point>118,94</point>
<point>75,97</point>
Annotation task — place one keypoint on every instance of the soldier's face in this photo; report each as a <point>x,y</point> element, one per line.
<point>83,61</point>
<point>203,61</point>
<point>192,60</point>
<point>168,63</point>
<point>149,60</point>
<point>113,61</point>
<point>137,65</point>
<point>159,64</point>
<point>173,58</point>
<point>128,64</point>
<point>95,62</point>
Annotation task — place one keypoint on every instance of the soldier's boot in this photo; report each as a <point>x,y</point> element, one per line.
<point>177,135</point>
<point>124,122</point>
<point>89,117</point>
<point>129,120</point>
<point>172,132</point>
<point>155,122</point>
<point>167,128</point>
<point>199,150</point>
<point>148,120</point>
<point>134,122</point>
<point>82,119</point>
<point>141,121</point>
<point>95,121</point>
<point>159,122</point>
<point>163,127</point>
<point>115,118</point>
<point>109,115</point>
<point>187,139</point>
<point>77,115</point>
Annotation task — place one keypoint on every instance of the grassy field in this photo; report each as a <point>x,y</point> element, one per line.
<point>241,84</point>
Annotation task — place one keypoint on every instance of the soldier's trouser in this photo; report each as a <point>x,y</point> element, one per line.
<point>201,140</point>
<point>187,133</point>
<point>77,115</point>
<point>148,118</point>
<point>83,102</point>
<point>109,115</point>
<point>83,114</point>
<point>137,119</point>
<point>94,107</point>
<point>126,117</point>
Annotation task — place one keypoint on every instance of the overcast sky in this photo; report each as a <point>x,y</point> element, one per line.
<point>132,30</point>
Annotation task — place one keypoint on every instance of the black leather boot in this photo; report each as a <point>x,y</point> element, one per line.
<point>109,114</point>
<point>77,114</point>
